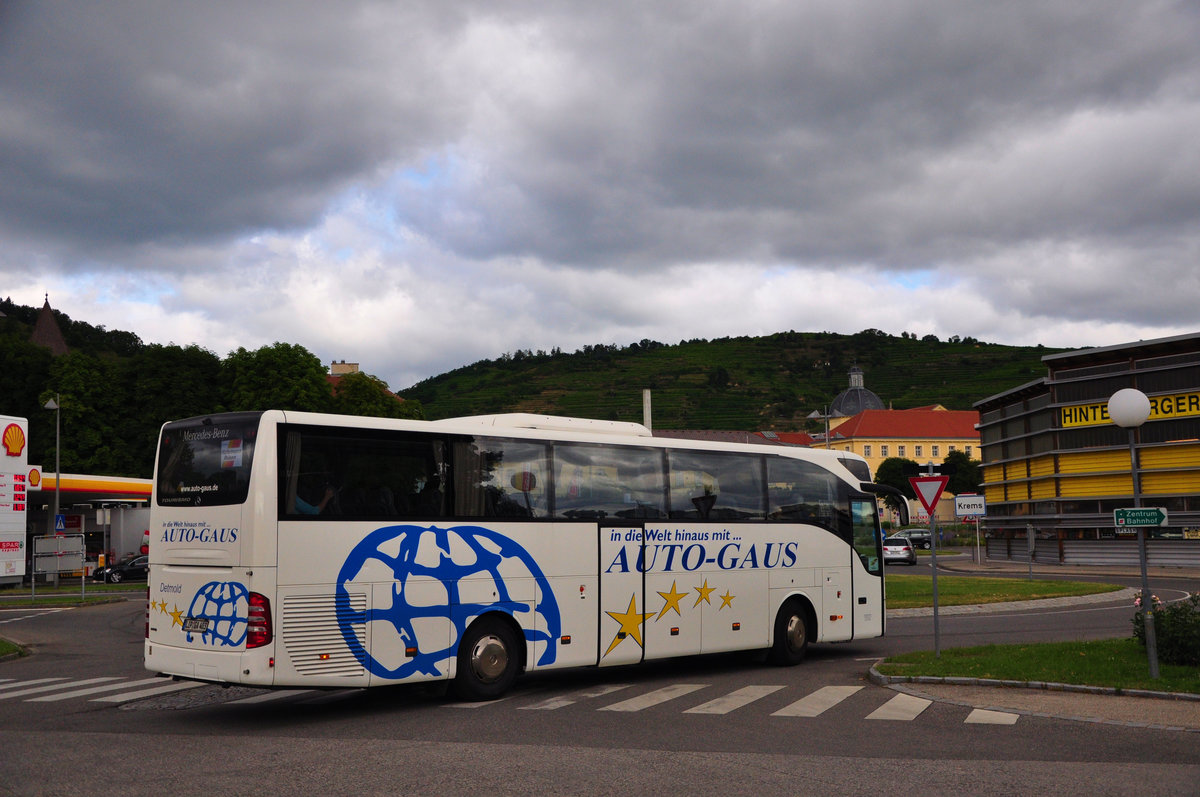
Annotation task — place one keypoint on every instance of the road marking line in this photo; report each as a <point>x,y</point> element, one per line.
<point>479,704</point>
<point>160,690</point>
<point>653,698</point>
<point>818,702</point>
<point>16,684</point>
<point>52,687</point>
<point>93,690</point>
<point>274,694</point>
<point>901,707</point>
<point>983,716</point>
<point>734,700</point>
<point>550,704</point>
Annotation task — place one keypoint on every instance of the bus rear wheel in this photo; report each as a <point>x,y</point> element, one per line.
<point>487,660</point>
<point>791,634</point>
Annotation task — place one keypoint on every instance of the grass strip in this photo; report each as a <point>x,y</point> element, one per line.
<point>914,591</point>
<point>1112,663</point>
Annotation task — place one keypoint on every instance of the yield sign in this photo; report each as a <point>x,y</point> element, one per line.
<point>929,490</point>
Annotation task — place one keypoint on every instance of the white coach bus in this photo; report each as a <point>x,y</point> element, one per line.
<point>296,549</point>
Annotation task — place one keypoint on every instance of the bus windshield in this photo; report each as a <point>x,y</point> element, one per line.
<point>202,462</point>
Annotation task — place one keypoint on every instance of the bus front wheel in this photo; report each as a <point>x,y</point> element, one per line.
<point>791,634</point>
<point>487,660</point>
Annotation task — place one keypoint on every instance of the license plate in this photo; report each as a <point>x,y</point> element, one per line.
<point>196,625</point>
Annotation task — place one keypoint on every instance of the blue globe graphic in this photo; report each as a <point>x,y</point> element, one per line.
<point>426,567</point>
<point>225,605</point>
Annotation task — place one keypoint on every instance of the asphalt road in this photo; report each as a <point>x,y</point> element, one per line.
<point>723,724</point>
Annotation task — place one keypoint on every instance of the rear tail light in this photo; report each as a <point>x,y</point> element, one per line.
<point>147,611</point>
<point>258,624</point>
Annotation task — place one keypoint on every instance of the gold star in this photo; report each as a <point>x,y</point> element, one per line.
<point>727,600</point>
<point>177,617</point>
<point>704,593</point>
<point>672,599</point>
<point>631,624</point>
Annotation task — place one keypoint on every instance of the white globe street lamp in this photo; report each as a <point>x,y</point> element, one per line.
<point>1129,409</point>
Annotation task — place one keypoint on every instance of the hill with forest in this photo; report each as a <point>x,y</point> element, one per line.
<point>115,391</point>
<point>744,383</point>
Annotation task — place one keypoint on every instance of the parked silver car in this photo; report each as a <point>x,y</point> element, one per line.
<point>898,549</point>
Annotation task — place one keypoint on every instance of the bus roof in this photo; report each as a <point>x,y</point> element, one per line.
<point>555,423</point>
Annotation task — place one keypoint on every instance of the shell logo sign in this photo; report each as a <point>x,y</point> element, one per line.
<point>13,440</point>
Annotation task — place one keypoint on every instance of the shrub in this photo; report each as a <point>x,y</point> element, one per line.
<point>1176,629</point>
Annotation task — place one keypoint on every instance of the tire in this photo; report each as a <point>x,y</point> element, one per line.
<point>791,634</point>
<point>114,577</point>
<point>487,660</point>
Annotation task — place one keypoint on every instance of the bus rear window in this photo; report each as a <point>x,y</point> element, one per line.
<point>205,461</point>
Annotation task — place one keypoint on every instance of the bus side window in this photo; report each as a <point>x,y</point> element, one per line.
<point>801,492</point>
<point>714,486</point>
<point>501,478</point>
<point>373,475</point>
<point>593,482</point>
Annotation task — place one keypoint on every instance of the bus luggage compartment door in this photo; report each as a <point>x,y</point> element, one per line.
<point>622,595</point>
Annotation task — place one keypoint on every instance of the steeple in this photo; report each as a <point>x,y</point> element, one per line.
<point>47,333</point>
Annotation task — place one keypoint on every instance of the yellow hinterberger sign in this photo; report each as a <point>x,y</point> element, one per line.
<point>1179,405</point>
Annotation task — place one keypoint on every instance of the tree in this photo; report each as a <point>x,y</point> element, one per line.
<point>282,376</point>
<point>966,477</point>
<point>165,383</point>
<point>363,394</point>
<point>89,442</point>
<point>892,473</point>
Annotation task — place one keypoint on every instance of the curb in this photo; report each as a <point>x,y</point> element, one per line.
<point>879,679</point>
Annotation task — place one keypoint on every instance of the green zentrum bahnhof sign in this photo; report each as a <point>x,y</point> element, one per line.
<point>1178,405</point>
<point>1140,516</point>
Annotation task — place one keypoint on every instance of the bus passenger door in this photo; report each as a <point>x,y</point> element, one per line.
<point>623,610</point>
<point>868,573</point>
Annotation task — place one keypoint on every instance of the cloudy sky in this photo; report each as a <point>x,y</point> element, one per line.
<point>418,185</point>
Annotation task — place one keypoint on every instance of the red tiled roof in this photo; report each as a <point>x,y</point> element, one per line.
<point>718,436</point>
<point>794,438</point>
<point>918,423</point>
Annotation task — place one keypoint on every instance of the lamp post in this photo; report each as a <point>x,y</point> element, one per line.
<point>1129,409</point>
<point>817,415</point>
<point>53,404</point>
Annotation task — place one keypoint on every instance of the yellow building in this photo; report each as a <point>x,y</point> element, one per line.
<point>923,434</point>
<point>1054,463</point>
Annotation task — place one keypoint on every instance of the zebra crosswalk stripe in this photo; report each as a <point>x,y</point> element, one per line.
<point>92,690</point>
<point>563,701</point>
<point>274,694</point>
<point>653,698</point>
<point>158,690</point>
<point>901,707</point>
<point>734,700</point>
<point>51,687</point>
<point>818,702</point>
<point>18,684</point>
<point>983,716</point>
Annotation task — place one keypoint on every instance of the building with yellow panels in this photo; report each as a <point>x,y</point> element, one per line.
<point>1054,463</point>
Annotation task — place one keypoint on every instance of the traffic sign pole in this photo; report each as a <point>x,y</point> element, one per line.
<point>929,490</point>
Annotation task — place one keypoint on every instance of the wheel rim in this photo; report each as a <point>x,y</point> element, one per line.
<point>796,633</point>
<point>489,658</point>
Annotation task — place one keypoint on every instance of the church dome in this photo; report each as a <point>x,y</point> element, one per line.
<point>855,398</point>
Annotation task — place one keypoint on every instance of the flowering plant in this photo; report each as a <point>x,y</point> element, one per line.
<point>1176,628</point>
<point>1137,601</point>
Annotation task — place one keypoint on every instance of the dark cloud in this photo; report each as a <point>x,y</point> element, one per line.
<point>1035,156</point>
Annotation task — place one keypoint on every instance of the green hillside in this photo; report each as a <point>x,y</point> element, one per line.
<point>741,383</point>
